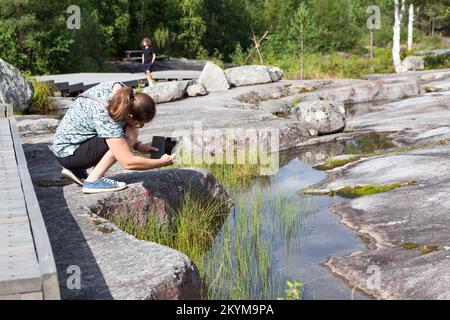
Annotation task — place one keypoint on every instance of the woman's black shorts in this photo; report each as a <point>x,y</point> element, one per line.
<point>88,154</point>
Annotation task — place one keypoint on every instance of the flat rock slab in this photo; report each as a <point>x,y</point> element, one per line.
<point>407,228</point>
<point>415,215</point>
<point>421,165</point>
<point>416,120</point>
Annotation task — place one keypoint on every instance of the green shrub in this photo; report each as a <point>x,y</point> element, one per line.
<point>43,91</point>
<point>238,56</point>
<point>437,62</point>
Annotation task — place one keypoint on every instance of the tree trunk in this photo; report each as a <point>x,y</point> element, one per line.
<point>371,45</point>
<point>398,16</point>
<point>410,26</point>
<point>302,53</point>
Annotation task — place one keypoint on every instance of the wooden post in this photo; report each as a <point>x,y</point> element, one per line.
<point>6,110</point>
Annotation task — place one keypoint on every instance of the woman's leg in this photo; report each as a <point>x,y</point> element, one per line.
<point>108,160</point>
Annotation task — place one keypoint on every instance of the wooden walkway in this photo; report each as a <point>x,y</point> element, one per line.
<point>27,267</point>
<point>79,82</point>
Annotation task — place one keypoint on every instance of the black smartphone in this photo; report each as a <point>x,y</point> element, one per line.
<point>164,144</point>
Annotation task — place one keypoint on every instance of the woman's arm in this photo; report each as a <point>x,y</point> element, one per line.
<point>121,151</point>
<point>154,58</point>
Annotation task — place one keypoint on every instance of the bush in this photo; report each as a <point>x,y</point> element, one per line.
<point>437,62</point>
<point>238,56</point>
<point>43,91</point>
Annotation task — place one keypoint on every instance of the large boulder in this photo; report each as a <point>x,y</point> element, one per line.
<point>162,193</point>
<point>15,89</point>
<point>167,91</point>
<point>248,75</point>
<point>213,78</point>
<point>413,63</point>
<point>320,117</point>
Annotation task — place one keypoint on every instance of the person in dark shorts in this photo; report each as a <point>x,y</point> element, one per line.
<point>98,130</point>
<point>148,59</point>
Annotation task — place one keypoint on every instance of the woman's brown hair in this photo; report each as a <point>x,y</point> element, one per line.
<point>146,40</point>
<point>124,102</point>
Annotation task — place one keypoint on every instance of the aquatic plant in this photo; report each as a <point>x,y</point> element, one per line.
<point>428,249</point>
<point>361,191</point>
<point>410,245</point>
<point>335,163</point>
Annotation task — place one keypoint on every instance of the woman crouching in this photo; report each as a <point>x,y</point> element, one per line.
<point>99,129</point>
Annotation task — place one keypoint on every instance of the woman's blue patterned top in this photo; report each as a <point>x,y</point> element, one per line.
<point>86,119</point>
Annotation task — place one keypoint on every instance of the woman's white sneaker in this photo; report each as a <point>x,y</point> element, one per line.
<point>77,176</point>
<point>103,185</point>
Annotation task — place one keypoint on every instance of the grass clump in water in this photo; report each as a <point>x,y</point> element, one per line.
<point>410,245</point>
<point>192,230</point>
<point>335,163</point>
<point>428,249</point>
<point>361,191</point>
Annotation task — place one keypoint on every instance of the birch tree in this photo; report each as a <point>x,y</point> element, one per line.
<point>398,17</point>
<point>410,26</point>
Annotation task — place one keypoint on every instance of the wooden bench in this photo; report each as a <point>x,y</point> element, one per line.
<point>136,56</point>
<point>27,266</point>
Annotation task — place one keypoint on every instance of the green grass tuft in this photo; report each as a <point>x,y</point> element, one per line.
<point>410,245</point>
<point>361,191</point>
<point>335,163</point>
<point>43,91</point>
<point>428,249</point>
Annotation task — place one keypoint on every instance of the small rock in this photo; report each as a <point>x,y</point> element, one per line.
<point>167,91</point>
<point>313,133</point>
<point>196,90</point>
<point>275,73</point>
<point>413,63</point>
<point>213,78</point>
<point>15,89</point>
<point>324,117</point>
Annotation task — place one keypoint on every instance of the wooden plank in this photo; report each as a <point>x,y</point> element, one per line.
<point>40,235</point>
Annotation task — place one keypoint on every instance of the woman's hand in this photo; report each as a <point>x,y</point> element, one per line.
<point>166,160</point>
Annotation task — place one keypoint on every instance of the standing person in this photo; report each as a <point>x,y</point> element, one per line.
<point>98,130</point>
<point>148,59</point>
